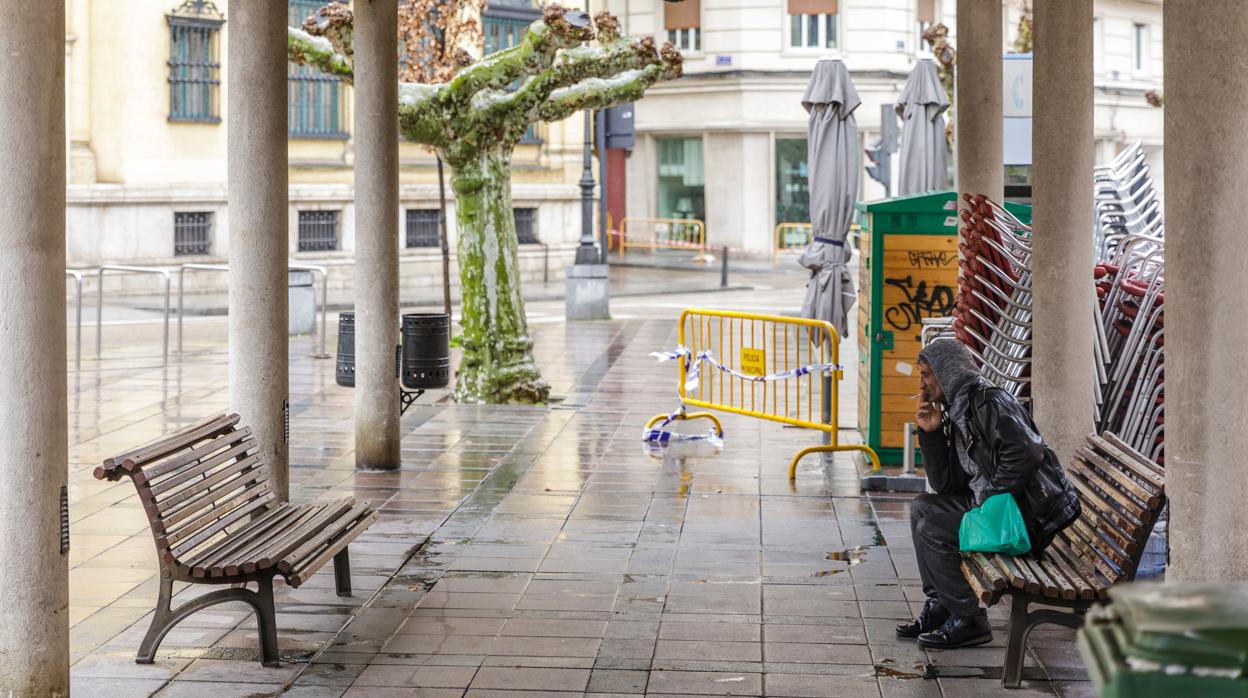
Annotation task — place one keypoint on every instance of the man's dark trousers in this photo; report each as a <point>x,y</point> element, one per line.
<point>934,522</point>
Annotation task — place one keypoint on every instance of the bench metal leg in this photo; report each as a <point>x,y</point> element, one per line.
<point>342,573</point>
<point>266,620</point>
<point>1021,625</point>
<point>165,617</point>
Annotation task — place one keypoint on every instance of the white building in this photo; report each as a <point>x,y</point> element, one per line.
<point>726,144</point>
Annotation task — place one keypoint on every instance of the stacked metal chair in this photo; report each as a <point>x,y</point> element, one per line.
<point>1126,201</point>
<point>1130,275</point>
<point>993,313</point>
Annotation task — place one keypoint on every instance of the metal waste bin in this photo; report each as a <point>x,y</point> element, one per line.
<point>345,364</point>
<point>426,350</point>
<point>301,301</point>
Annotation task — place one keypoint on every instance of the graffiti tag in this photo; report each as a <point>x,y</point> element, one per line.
<point>929,259</point>
<point>921,301</point>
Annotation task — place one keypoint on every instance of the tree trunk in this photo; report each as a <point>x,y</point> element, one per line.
<point>497,364</point>
<point>446,249</point>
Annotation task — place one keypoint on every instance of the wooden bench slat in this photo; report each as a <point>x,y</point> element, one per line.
<point>256,479</point>
<point>205,484</point>
<point>343,540</point>
<point>977,585</point>
<point>1079,587</point>
<point>219,508</point>
<point>1093,580</point>
<point>201,561</point>
<point>1008,570</point>
<point>194,467</point>
<point>279,548</point>
<point>989,571</point>
<point>1028,584</point>
<point>1097,555</point>
<point>168,444</point>
<point>1048,565</point>
<point>298,526</point>
<point>1103,516</point>
<point>220,525</point>
<point>1132,459</point>
<point>1148,496</point>
<point>1047,586</point>
<point>1108,490</point>
<point>310,547</point>
<point>151,473</point>
<point>244,559</point>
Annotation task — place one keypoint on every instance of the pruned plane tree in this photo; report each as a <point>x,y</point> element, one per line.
<point>564,64</point>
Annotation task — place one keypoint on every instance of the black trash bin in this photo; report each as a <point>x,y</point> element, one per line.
<point>345,365</point>
<point>426,350</point>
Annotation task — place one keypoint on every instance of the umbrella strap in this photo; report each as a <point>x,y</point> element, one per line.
<point>830,241</point>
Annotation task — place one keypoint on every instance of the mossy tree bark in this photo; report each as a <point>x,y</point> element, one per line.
<point>497,365</point>
<point>474,121</point>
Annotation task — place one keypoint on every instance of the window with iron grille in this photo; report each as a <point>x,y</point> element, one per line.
<point>422,228</point>
<point>318,231</point>
<point>194,65</point>
<point>192,232</point>
<point>315,102</point>
<point>504,25</point>
<point>526,226</point>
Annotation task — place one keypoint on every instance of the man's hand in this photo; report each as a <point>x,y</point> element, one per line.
<point>927,416</point>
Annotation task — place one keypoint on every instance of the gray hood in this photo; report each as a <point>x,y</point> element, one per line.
<point>956,373</point>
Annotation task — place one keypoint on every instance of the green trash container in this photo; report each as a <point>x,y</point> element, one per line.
<point>1163,641</point>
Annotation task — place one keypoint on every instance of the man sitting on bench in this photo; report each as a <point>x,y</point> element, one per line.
<point>977,441</point>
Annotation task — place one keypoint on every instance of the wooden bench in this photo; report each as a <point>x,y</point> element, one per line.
<point>216,520</point>
<point>1122,493</point>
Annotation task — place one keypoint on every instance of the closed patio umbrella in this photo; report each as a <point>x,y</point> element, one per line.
<point>832,157</point>
<point>922,110</point>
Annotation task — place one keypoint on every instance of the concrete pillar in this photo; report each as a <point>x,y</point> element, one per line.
<point>256,109</point>
<point>34,569</point>
<point>1062,159</point>
<point>1206,274</point>
<point>977,100</point>
<point>376,234</point>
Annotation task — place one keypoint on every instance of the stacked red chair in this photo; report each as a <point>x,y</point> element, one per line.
<point>993,313</point>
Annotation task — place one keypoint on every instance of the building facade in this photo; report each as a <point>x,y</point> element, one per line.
<point>146,83</point>
<point>726,144</point>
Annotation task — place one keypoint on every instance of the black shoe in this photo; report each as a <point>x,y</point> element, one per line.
<point>958,632</point>
<point>931,617</point>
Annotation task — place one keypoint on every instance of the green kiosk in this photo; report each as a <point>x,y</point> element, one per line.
<point>908,271</point>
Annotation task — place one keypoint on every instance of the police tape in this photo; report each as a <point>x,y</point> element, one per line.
<point>693,368</point>
<point>693,372</point>
<point>658,436</point>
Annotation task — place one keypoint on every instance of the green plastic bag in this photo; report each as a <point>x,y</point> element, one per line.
<point>995,527</point>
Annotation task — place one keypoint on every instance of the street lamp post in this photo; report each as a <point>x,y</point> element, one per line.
<point>587,253</point>
<point>588,294</point>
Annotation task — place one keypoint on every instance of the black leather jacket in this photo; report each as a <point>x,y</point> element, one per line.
<point>1005,443</point>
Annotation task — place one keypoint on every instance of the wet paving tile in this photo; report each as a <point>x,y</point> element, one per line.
<point>533,551</point>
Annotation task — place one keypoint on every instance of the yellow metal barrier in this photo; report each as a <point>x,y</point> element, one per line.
<point>761,345</point>
<point>661,233</point>
<point>791,237</point>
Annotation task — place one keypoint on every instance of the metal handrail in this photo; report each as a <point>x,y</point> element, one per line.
<point>99,302</point>
<point>77,277</point>
<point>182,291</point>
<point>290,266</point>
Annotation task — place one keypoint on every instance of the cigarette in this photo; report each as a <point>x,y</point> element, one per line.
<point>916,396</point>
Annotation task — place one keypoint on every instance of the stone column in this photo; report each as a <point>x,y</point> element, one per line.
<point>1206,274</point>
<point>376,234</point>
<point>34,570</point>
<point>256,101</point>
<point>1062,148</point>
<point>977,100</point>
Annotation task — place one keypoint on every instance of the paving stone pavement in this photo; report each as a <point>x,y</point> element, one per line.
<point>532,550</point>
